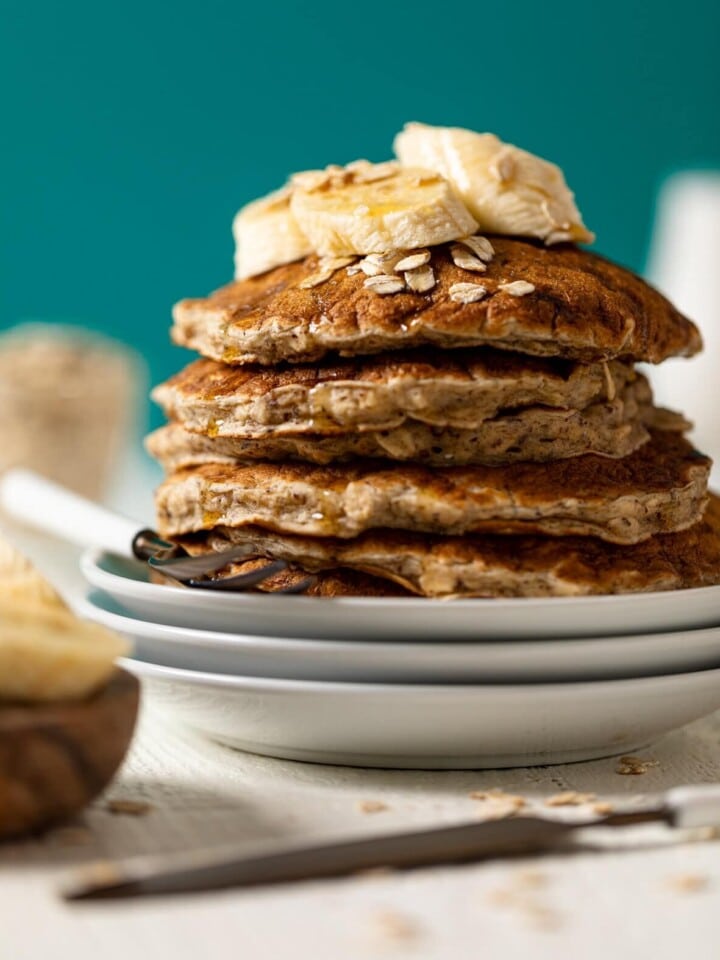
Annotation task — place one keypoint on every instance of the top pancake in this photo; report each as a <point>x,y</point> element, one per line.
<point>583,307</point>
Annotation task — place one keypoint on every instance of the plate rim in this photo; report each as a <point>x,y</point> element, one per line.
<point>189,635</point>
<point>272,685</point>
<point>89,565</point>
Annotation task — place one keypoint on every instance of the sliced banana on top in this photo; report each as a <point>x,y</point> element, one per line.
<point>372,208</point>
<point>448,184</point>
<point>267,235</point>
<point>507,190</point>
<point>46,653</point>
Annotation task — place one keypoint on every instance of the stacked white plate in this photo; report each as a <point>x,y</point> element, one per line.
<point>412,682</point>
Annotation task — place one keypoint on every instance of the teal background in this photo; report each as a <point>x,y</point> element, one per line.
<point>132,132</point>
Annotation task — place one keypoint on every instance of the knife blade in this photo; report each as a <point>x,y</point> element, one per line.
<point>213,869</point>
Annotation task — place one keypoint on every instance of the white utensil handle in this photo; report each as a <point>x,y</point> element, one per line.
<point>40,503</point>
<point>696,806</point>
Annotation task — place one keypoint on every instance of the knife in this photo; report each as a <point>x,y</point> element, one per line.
<point>681,807</point>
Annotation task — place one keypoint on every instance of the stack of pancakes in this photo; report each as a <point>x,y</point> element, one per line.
<point>446,446</point>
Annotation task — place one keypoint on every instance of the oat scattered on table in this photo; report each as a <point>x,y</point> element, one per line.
<point>634,766</point>
<point>570,798</point>
<point>688,882</point>
<point>392,925</point>
<point>497,804</point>
<point>130,808</point>
<point>497,794</point>
<point>372,806</point>
<point>525,896</point>
<point>532,879</point>
<point>708,833</point>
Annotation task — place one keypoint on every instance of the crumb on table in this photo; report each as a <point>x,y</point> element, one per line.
<point>688,882</point>
<point>372,806</point>
<point>392,925</point>
<point>634,766</point>
<point>497,804</point>
<point>131,808</point>
<point>569,798</point>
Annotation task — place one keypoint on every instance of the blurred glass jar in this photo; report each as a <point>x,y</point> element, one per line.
<point>70,403</point>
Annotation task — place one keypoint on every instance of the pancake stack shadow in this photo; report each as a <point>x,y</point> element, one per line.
<point>439,443</point>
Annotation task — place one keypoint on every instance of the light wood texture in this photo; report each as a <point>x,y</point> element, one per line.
<point>55,758</point>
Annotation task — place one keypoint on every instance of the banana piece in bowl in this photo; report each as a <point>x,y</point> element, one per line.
<point>46,652</point>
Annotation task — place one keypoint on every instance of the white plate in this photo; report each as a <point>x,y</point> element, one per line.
<point>506,661</point>
<point>365,618</point>
<point>430,727</point>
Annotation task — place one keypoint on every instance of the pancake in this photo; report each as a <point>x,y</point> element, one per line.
<point>460,389</point>
<point>327,583</point>
<point>660,487</point>
<point>582,306</point>
<point>539,434</point>
<point>492,566</point>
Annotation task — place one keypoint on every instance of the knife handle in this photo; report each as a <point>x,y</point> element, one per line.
<point>695,806</point>
<point>46,506</point>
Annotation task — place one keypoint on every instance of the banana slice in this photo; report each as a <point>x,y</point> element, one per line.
<point>46,653</point>
<point>267,235</point>
<point>372,208</point>
<point>507,190</point>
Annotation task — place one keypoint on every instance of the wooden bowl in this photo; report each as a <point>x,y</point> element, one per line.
<point>56,757</point>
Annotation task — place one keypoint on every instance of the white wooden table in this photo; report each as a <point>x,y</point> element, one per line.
<point>641,893</point>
